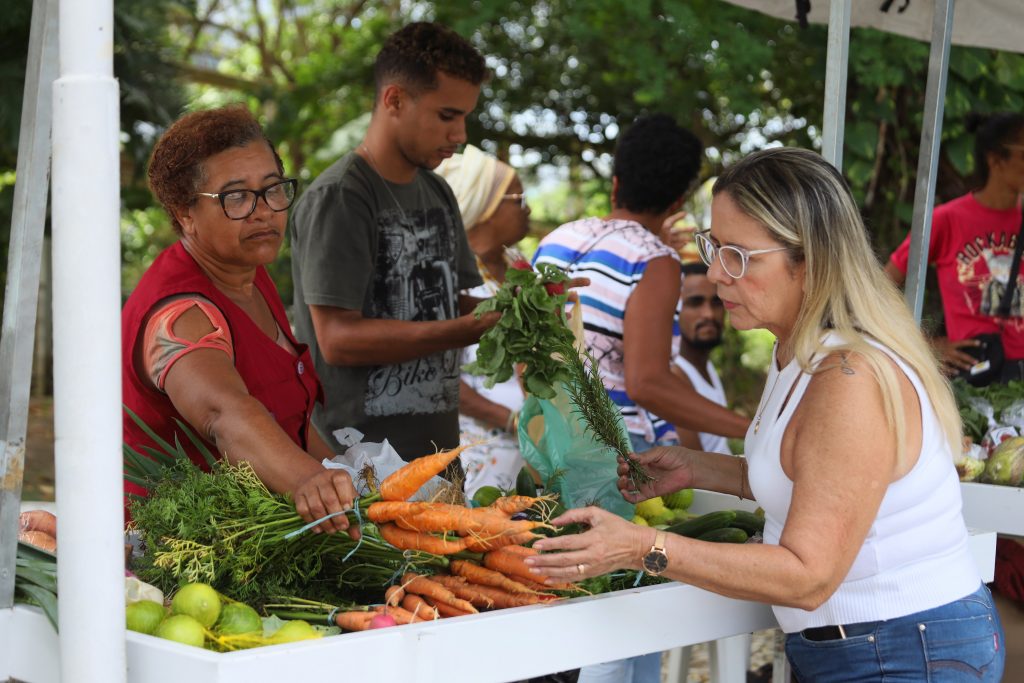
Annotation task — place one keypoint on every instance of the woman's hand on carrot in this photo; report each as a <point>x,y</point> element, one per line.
<point>671,469</point>
<point>610,543</point>
<point>325,492</point>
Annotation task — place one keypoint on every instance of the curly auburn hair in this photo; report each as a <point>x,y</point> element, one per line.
<point>176,167</point>
<point>656,162</point>
<point>414,54</point>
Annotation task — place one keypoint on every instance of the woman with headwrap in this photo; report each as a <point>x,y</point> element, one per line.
<point>496,216</point>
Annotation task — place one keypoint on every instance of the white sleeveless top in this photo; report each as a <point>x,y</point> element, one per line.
<point>915,556</point>
<point>712,443</point>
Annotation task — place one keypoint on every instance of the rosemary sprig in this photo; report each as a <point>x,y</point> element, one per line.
<point>595,407</point>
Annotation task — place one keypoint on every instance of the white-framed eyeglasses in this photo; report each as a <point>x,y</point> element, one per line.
<point>518,197</point>
<point>733,259</point>
<point>239,204</point>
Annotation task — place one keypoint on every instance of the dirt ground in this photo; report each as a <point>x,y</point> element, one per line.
<point>39,478</point>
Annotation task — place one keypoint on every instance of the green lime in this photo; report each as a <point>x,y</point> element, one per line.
<point>197,600</point>
<point>144,616</point>
<point>237,618</point>
<point>182,628</point>
<point>486,495</point>
<point>295,630</point>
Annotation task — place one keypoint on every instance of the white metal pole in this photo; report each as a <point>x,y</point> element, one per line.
<point>87,346</point>
<point>835,82</point>
<point>928,156</point>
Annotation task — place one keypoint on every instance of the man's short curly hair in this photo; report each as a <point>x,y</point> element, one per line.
<point>656,162</point>
<point>176,167</point>
<point>414,54</point>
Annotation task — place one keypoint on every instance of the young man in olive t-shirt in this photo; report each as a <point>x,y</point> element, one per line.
<point>379,254</point>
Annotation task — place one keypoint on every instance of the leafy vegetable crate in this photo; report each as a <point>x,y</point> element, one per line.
<point>505,645</point>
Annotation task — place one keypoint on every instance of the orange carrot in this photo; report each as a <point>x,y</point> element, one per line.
<point>510,505</point>
<point>512,563</point>
<point>390,510</point>
<point>353,621</point>
<point>419,607</point>
<point>481,544</point>
<point>520,550</point>
<point>38,520</point>
<point>412,540</point>
<point>423,586</point>
<point>443,517</point>
<point>446,609</point>
<point>474,573</point>
<point>39,539</point>
<point>407,480</point>
<point>399,614</point>
<point>537,587</point>
<point>393,596</point>
<point>465,590</point>
<point>497,597</point>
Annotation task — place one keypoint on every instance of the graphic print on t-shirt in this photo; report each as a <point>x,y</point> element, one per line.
<point>983,269</point>
<point>414,280</point>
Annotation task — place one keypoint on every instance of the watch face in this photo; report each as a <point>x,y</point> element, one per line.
<point>655,562</point>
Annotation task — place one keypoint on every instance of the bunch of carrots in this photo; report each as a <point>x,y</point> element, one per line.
<point>443,528</point>
<point>501,579</point>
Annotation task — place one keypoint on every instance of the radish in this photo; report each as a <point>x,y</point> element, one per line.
<point>382,621</point>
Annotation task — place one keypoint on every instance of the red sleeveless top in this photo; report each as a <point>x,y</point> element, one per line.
<point>286,385</point>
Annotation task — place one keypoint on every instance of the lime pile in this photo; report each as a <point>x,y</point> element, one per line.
<point>200,617</point>
<point>664,510</point>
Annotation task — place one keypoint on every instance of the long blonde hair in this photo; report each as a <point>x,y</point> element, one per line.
<point>806,205</point>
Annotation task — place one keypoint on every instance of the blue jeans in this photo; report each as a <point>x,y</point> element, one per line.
<point>960,641</point>
<point>642,668</point>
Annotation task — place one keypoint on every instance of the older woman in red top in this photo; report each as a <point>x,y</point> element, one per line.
<point>204,336</point>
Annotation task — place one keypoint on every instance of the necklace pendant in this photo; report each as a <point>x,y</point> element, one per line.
<point>757,424</point>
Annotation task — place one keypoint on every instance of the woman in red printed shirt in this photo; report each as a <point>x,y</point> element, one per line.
<point>204,336</point>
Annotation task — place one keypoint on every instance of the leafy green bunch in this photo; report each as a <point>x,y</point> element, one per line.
<point>225,528</point>
<point>531,328</point>
<point>971,400</point>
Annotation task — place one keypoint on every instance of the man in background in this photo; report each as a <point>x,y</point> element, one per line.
<point>379,254</point>
<point>701,320</point>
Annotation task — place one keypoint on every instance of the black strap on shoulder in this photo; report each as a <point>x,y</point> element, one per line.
<point>1011,284</point>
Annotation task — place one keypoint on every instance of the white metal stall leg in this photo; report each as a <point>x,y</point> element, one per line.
<point>677,664</point>
<point>730,659</point>
<point>87,346</point>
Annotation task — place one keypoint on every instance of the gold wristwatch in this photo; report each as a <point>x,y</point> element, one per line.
<point>656,559</point>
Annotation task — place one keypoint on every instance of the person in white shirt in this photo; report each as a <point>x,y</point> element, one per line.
<point>701,319</point>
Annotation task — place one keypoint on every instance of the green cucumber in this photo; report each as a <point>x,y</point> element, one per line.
<point>748,521</point>
<point>703,524</point>
<point>725,535</point>
<point>525,485</point>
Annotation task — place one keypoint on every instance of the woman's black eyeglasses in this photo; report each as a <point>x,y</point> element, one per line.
<point>239,204</point>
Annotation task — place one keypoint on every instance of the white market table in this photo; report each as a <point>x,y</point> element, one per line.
<point>506,645</point>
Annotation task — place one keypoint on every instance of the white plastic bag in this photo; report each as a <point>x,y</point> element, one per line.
<point>380,456</point>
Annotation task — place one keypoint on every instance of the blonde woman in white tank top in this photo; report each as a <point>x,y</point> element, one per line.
<point>850,452</point>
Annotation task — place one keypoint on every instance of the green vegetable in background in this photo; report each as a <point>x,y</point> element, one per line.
<point>531,327</point>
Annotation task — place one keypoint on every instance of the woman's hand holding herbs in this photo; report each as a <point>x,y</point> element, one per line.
<point>670,469</point>
<point>325,492</point>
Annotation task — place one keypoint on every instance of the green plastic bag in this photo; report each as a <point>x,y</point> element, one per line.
<point>552,438</point>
